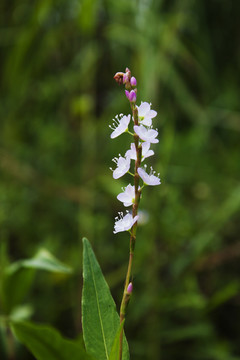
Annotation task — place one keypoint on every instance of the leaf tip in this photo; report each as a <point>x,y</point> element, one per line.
<point>85,241</point>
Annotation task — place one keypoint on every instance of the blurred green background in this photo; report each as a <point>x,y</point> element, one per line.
<point>58,97</point>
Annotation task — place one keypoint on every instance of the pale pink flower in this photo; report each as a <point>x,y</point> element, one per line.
<point>149,179</point>
<point>146,152</point>
<point>120,125</point>
<point>123,165</point>
<point>127,197</point>
<point>145,114</point>
<point>145,134</point>
<point>124,223</point>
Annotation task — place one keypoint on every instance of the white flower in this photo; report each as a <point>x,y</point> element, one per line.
<point>127,197</point>
<point>145,114</point>
<point>120,125</point>
<point>124,223</point>
<point>123,165</point>
<point>145,151</point>
<point>149,179</point>
<point>145,134</point>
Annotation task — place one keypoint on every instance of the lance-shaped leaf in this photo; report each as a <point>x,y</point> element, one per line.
<point>99,316</point>
<point>43,260</point>
<point>45,343</point>
<point>114,354</point>
<point>18,277</point>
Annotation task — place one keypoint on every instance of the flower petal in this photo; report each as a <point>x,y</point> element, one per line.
<point>143,108</point>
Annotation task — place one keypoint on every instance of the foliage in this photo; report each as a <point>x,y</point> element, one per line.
<point>57,99</point>
<point>45,343</point>
<point>100,317</point>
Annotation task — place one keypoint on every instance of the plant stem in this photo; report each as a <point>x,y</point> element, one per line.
<point>10,344</point>
<point>126,297</point>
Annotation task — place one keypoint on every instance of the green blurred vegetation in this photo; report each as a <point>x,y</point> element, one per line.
<point>58,96</point>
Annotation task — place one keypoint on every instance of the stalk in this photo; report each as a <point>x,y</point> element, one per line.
<point>144,133</point>
<point>126,295</point>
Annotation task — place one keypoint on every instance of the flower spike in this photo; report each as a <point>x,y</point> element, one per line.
<point>144,135</point>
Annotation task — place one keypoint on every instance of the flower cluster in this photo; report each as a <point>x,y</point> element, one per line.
<point>143,136</point>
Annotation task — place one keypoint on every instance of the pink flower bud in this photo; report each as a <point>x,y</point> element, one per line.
<point>133,81</point>
<point>125,79</point>
<point>127,94</point>
<point>132,96</point>
<point>130,288</point>
<point>128,72</point>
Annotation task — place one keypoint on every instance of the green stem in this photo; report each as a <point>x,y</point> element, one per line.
<point>125,298</point>
<point>10,344</point>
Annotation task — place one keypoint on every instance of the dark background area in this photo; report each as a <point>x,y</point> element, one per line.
<point>58,97</point>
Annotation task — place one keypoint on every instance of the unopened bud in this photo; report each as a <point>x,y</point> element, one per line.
<point>127,94</point>
<point>128,72</point>
<point>130,288</point>
<point>119,77</point>
<point>133,81</point>
<point>125,79</point>
<point>132,96</point>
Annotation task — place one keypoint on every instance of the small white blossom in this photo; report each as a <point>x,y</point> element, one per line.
<point>145,151</point>
<point>120,125</point>
<point>127,197</point>
<point>123,165</point>
<point>145,114</point>
<point>145,134</point>
<point>124,223</point>
<point>149,179</point>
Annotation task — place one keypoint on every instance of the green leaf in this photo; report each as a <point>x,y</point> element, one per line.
<point>18,277</point>
<point>114,355</point>
<point>100,319</point>
<point>43,260</point>
<point>21,313</point>
<point>45,342</point>
<point>15,286</point>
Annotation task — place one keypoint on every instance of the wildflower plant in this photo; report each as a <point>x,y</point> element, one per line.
<point>143,135</point>
<point>103,327</point>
